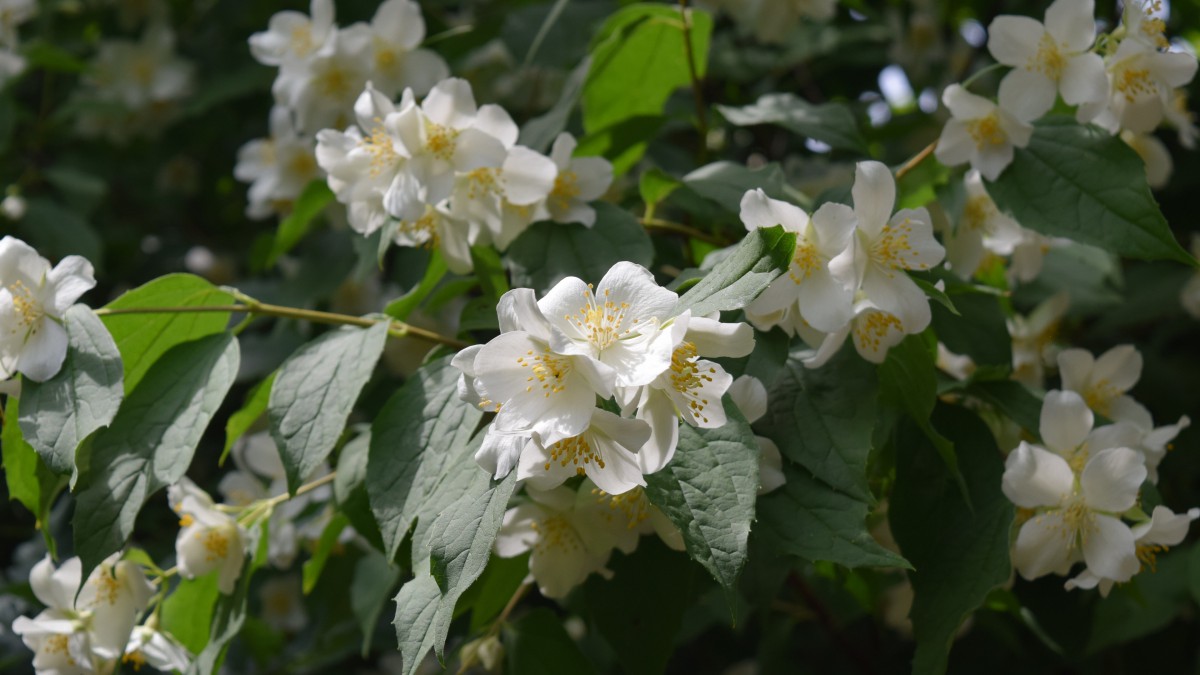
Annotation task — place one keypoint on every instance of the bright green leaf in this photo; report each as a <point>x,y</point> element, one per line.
<point>311,202</point>
<point>761,257</point>
<point>325,544</point>
<point>251,411</point>
<point>28,478</point>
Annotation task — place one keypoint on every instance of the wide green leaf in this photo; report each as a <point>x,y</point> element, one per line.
<point>350,488</point>
<point>370,589</point>
<point>959,550</point>
<point>762,256</point>
<point>315,197</point>
<point>187,612</point>
<point>823,419</point>
<point>725,183</point>
<point>58,414</point>
<point>831,123</point>
<point>418,441</point>
<point>314,392</point>
<point>1082,183</point>
<point>251,411</point>
<point>548,252</point>
<point>809,519</point>
<point>27,477</point>
<point>150,442</point>
<point>638,59</point>
<point>979,330</point>
<point>708,491</point>
<point>143,338</point>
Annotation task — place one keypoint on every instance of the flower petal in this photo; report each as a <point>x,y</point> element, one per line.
<point>874,194</point>
<point>1072,23</point>
<point>1065,422</point>
<point>1013,40</point>
<point>1035,478</point>
<point>1109,550</point>
<point>1043,546</point>
<point>758,210</point>
<point>1111,480</point>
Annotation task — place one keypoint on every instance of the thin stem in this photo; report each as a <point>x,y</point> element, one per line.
<point>916,160</point>
<point>680,228</point>
<point>398,328</point>
<point>980,73</point>
<point>508,608</point>
<point>697,92</point>
<point>307,487</point>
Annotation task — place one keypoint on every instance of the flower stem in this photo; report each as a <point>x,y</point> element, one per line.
<point>697,91</point>
<point>980,73</point>
<point>508,608</point>
<point>916,160</point>
<point>680,228</point>
<point>398,329</point>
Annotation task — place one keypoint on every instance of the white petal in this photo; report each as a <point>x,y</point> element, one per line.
<point>563,148</point>
<point>964,105</point>
<point>1075,367</point>
<point>1065,422</point>
<point>528,176</point>
<point>1083,80</point>
<point>758,210</point>
<point>659,412</point>
<point>715,339</point>
<point>477,149</point>
<point>451,104</point>
<point>44,352</point>
<point>400,22</point>
<point>1034,477</point>
<point>992,160</point>
<point>874,195</point>
<point>495,121</point>
<point>1108,549</point>
<point>825,302</point>
<point>833,228</point>
<point>1027,94</point>
<point>1120,367</point>
<point>750,396</point>
<point>593,176</point>
<point>1013,40</point>
<point>895,293</point>
<point>1043,546</point>
<point>1072,23</point>
<point>71,277</point>
<point>955,145</point>
<point>1111,480</point>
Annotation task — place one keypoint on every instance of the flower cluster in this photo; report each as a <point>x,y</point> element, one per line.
<point>13,13</point>
<point>89,629</point>
<point>133,88</point>
<point>33,298</point>
<point>1126,82</point>
<point>1079,490</point>
<point>848,275</point>
<point>322,68</point>
<point>448,174</point>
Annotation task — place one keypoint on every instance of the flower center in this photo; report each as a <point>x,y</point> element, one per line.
<point>1148,555</point>
<point>687,377</point>
<point>379,146</point>
<point>134,659</point>
<point>1099,397</point>
<point>335,83</point>
<point>423,230</point>
<point>1135,83</point>
<point>1048,59</point>
<point>547,372</point>
<point>575,451</point>
<point>566,188</point>
<point>440,140</point>
<point>216,543</point>
<point>28,308</point>
<point>302,42</point>
<point>602,323</point>
<point>631,506</point>
<point>892,246</point>
<point>1077,520</point>
<point>483,182</point>
<point>186,520</point>
<point>556,532</point>
<point>872,327</point>
<point>804,261</point>
<point>986,131</point>
<point>107,588</point>
<point>978,213</point>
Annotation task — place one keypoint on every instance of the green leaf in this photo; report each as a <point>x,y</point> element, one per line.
<point>490,272</point>
<point>656,185</point>
<point>908,381</point>
<point>150,442</point>
<point>823,419</point>
<point>1145,605</point>
<point>328,539</point>
<point>537,644</point>
<point>251,411</point>
<point>809,519</point>
<point>622,143</point>
<point>315,197</point>
<point>1013,399</point>
<point>539,133</point>
<point>47,56</point>
<point>143,338</point>
<point>1083,183</point>
<point>725,183</point>
<point>547,252</point>
<point>370,589</point>
<point>487,597</point>
<point>314,392</point>
<point>979,330</point>
<point>58,414</point>
<point>459,547</point>
<point>638,60</point>
<point>187,612</point>
<point>28,478</point>
<point>831,123</point>
<point>350,488</point>
<point>708,491</point>
<point>228,616</point>
<point>416,442</point>
<point>658,581</point>
<point>761,257</point>
<point>959,550</point>
<point>404,305</point>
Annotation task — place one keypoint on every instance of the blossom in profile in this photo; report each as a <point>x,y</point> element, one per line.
<point>209,540</point>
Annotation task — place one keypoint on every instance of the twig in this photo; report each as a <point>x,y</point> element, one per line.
<point>697,92</point>
<point>916,160</point>
<point>680,228</point>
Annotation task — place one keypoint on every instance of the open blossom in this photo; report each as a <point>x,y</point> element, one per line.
<point>982,229</point>
<point>1142,82</point>
<point>1164,529</point>
<point>278,168</point>
<point>606,452</point>
<point>395,35</point>
<point>150,647</point>
<point>1103,381</point>
<point>580,180</point>
<point>33,299</point>
<point>291,37</point>
<point>982,132</point>
<point>809,290</point>
<point>321,89</point>
<point>1033,346</point>
<point>1051,58</point>
<point>208,540</point>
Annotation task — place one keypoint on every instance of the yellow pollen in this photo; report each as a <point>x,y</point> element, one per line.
<point>556,532</point>
<point>215,543</point>
<point>302,42</point>
<point>107,588</point>
<point>689,378</point>
<point>978,213</point>
<point>804,261</point>
<point>424,229</point>
<point>1048,60</point>
<point>28,308</point>
<point>334,83</point>
<point>134,659</point>
<point>1077,521</point>
<point>1135,83</point>
<point>872,327</point>
<point>56,644</point>
<point>574,451</point>
<point>566,188</point>
<point>379,146</point>
<point>632,506</point>
<point>986,131</point>
<point>186,520</point>
<point>548,372</point>
<point>602,322</point>
<point>892,247</point>
<point>1148,555</point>
<point>483,182</point>
<point>385,59</point>
<point>1100,396</point>
<point>441,141</point>
<point>302,164</point>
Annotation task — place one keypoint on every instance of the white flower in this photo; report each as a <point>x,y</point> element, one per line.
<point>437,229</point>
<point>445,134</point>
<point>580,180</point>
<point>116,593</point>
<point>563,551</point>
<point>278,168</point>
<point>209,539</point>
<point>1163,530</point>
<point>605,452</point>
<point>1154,154</point>
<point>148,646</point>
<point>809,288</point>
<point>616,325</point>
<point>283,604</point>
<point>33,298</point>
<point>1066,427</point>
<point>982,229</point>
<point>619,521</point>
<point>1142,82</point>
<point>983,133</point>
<point>1051,58</point>
<point>1140,22</point>
<point>505,200</point>
<point>291,37</point>
<point>321,90</point>
<point>958,366</point>
<point>396,33</point>
<point>1075,517</point>
<point>1033,345</point>
<point>1102,382</point>
<point>885,246</point>
<point>141,74</point>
